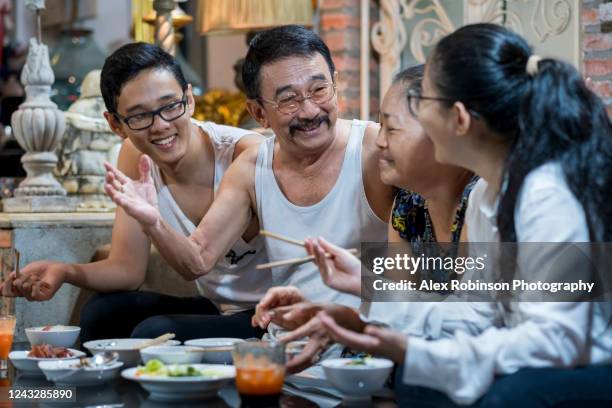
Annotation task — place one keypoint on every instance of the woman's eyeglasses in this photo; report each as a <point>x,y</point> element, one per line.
<point>415,97</point>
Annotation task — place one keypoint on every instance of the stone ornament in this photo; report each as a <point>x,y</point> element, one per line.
<point>38,125</point>
<point>87,143</point>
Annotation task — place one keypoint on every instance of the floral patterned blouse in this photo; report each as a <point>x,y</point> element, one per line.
<point>410,218</point>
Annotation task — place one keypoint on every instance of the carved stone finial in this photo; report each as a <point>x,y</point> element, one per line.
<point>37,70</point>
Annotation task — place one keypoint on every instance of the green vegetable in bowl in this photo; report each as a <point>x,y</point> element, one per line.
<point>158,369</point>
<point>184,371</point>
<point>153,367</point>
<point>357,362</point>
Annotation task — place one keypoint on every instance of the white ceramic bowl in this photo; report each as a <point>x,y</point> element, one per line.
<point>28,366</point>
<point>357,381</point>
<point>217,350</point>
<point>173,354</point>
<point>57,371</point>
<point>126,348</point>
<point>57,335</point>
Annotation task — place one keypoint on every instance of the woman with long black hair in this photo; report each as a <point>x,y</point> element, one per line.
<point>541,142</point>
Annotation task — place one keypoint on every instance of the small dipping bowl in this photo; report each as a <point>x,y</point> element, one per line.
<point>56,335</point>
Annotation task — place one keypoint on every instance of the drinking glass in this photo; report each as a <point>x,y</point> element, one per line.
<point>260,372</point>
<point>7,328</point>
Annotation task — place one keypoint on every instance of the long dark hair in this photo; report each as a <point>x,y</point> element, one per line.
<point>550,115</point>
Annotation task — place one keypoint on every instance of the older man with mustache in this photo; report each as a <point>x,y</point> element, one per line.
<point>317,176</point>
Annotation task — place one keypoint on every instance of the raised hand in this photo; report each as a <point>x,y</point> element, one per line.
<point>316,345</point>
<point>293,316</point>
<point>318,336</point>
<point>275,297</point>
<point>377,341</point>
<point>137,198</point>
<point>37,281</point>
<point>342,271</point>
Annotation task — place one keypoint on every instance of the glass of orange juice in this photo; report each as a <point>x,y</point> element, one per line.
<point>260,372</point>
<point>7,328</point>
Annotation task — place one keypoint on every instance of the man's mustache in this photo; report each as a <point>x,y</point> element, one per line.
<point>309,123</point>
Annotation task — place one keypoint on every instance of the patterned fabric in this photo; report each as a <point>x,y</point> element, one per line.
<point>411,219</point>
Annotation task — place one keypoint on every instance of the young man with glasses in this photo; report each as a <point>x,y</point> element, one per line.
<point>317,176</point>
<point>180,163</point>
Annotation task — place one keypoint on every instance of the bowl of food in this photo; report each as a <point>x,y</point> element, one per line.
<point>56,335</point>
<point>357,378</point>
<point>180,382</point>
<point>128,349</point>
<point>216,350</point>
<point>173,354</point>
<point>27,361</point>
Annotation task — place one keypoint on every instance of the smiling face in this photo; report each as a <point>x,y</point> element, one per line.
<point>439,123</point>
<point>407,154</point>
<point>311,127</point>
<point>165,141</point>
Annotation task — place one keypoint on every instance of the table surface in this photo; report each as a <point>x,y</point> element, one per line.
<point>128,394</point>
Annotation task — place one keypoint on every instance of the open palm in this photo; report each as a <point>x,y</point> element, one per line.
<point>138,198</point>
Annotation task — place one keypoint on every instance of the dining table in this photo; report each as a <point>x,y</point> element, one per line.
<point>125,393</point>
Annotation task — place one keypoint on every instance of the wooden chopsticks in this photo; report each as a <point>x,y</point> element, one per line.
<point>17,256</point>
<point>154,342</point>
<point>281,238</point>
<point>292,261</point>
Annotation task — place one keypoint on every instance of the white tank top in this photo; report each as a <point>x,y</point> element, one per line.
<point>234,284</point>
<point>343,217</point>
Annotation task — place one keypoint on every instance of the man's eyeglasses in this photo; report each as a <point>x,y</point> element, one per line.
<point>415,97</point>
<point>144,120</point>
<point>291,103</point>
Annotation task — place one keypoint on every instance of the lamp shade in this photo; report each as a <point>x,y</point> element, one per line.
<point>229,16</point>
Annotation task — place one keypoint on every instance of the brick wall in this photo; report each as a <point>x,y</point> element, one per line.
<point>339,26</point>
<point>597,46</point>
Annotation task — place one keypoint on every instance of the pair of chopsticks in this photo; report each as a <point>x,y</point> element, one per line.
<point>154,342</point>
<point>293,261</point>
<point>17,256</point>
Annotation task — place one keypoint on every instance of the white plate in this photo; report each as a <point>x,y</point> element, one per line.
<point>29,365</point>
<point>86,376</point>
<point>183,388</point>
<point>218,350</point>
<point>124,347</point>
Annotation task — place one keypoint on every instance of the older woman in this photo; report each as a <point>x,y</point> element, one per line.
<point>434,214</point>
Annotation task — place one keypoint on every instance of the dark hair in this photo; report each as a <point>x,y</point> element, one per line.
<point>411,78</point>
<point>279,43</point>
<point>130,60</point>
<point>548,116</point>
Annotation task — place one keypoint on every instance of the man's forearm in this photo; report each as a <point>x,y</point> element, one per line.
<point>186,256</point>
